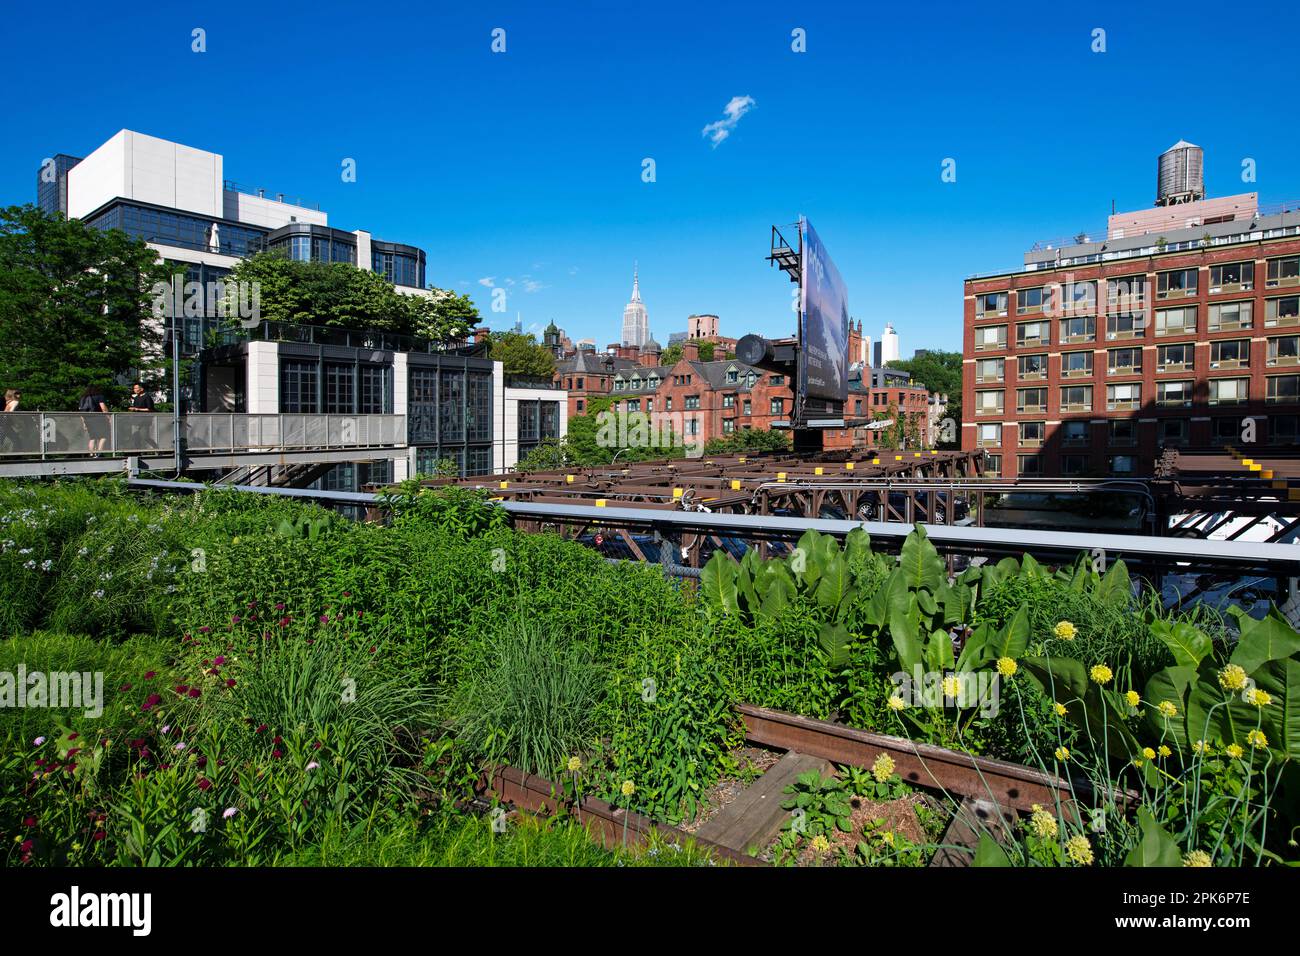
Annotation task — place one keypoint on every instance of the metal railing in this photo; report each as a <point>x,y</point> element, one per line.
<point>31,435</point>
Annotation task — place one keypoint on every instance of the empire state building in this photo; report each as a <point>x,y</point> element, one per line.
<point>636,323</point>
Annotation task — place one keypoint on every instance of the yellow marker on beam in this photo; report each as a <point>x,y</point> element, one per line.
<point>677,492</point>
<point>741,459</point>
<point>1256,467</point>
<point>1247,462</point>
<point>875,461</point>
<point>848,466</point>
<point>504,484</point>
<point>916,454</point>
<point>569,478</point>
<point>1266,474</point>
<point>600,502</point>
<point>780,476</point>
<point>735,484</point>
<point>898,458</point>
<point>818,470</point>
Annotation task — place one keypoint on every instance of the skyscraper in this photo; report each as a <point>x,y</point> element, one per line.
<point>636,323</point>
<point>889,345</point>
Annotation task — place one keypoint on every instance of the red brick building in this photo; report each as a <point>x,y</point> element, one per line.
<point>1098,353</point>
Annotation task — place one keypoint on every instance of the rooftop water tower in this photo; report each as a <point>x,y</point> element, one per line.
<point>1181,174</point>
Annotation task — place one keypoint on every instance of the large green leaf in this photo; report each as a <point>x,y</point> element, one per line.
<point>1217,715</point>
<point>1014,638</point>
<point>938,651</point>
<point>718,583</point>
<point>1156,848</point>
<point>857,545</point>
<point>974,653</point>
<point>1031,569</point>
<point>988,853</point>
<point>834,640</point>
<point>1281,716</point>
<point>1169,684</point>
<point>920,561</point>
<point>836,586</point>
<point>1115,587</point>
<point>1268,640</point>
<point>1188,644</point>
<point>904,632</point>
<point>780,592</point>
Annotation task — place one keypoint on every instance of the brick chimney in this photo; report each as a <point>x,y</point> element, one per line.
<point>650,356</point>
<point>691,351</point>
<point>481,334</point>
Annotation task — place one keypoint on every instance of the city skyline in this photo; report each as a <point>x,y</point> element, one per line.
<point>541,194</point>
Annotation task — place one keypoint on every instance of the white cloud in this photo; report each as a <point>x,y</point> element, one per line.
<point>488,281</point>
<point>736,107</point>
<point>532,285</point>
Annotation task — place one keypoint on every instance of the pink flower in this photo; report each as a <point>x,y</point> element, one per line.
<point>38,741</point>
<point>218,661</point>
<point>204,629</point>
<point>229,812</point>
<point>234,619</point>
<point>313,765</point>
<point>166,729</point>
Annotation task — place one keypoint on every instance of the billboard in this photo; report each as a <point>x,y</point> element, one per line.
<point>824,324</point>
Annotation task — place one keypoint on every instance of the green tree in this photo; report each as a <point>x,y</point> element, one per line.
<point>671,355</point>
<point>75,305</point>
<point>706,351</point>
<point>443,316</point>
<point>749,439</point>
<point>520,354</point>
<point>940,373</point>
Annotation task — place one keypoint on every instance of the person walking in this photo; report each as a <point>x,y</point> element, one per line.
<point>95,421</point>
<point>9,430</point>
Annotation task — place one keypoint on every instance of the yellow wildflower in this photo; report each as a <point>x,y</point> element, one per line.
<point>1006,666</point>
<point>1197,858</point>
<point>1060,710</point>
<point>1168,709</point>
<point>1132,698</point>
<point>1260,698</point>
<point>1234,751</point>
<point>1202,748</point>
<point>574,765</point>
<point>883,768</point>
<point>628,788</point>
<point>1232,677</point>
<point>1062,754</point>
<point>1165,751</point>
<point>1079,850</point>
<point>1065,631</point>
<point>1148,753</point>
<point>896,702</point>
<point>820,843</point>
<point>1043,824</point>
<point>1100,673</point>
<point>1257,739</point>
<point>951,686</point>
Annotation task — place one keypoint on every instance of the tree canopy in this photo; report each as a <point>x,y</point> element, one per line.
<point>940,372</point>
<point>520,354</point>
<point>75,305</point>
<point>340,295</point>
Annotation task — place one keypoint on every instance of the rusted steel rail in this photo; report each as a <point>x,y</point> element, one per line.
<point>605,822</point>
<point>923,765</point>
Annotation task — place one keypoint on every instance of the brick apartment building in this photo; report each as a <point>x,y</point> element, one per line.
<point>1174,330</point>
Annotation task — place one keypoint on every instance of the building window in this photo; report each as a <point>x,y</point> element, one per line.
<point>992,466</point>
<point>1127,326</point>
<point>1225,429</point>
<point>1282,311</point>
<point>1033,300</point>
<point>775,407</point>
<point>1076,364</point>
<point>1176,321</point>
<point>451,405</point>
<point>1283,388</point>
<point>338,389</point>
<point>732,376</point>
<point>1229,391</point>
<point>728,426</point>
<point>376,396</point>
<point>1082,329</point>
<point>692,426</point>
<point>1175,358</point>
<point>1028,466</point>
<point>668,403</point>
<point>1033,333</point>
<point>1285,428</point>
<point>1123,432</point>
<point>990,370</point>
<point>1172,431</point>
<point>990,303</point>
<point>1232,276</point>
<point>988,402</point>
<point>1124,361</point>
<point>619,384</point>
<point>1074,433</point>
<point>1031,400</point>
<point>1284,350</point>
<point>692,402</point>
<point>1226,316</point>
<point>988,434</point>
<point>777,380</point>
<point>1230,353</point>
<point>1122,464</point>
<point>580,406</point>
<point>1284,271</point>
<point>580,385</point>
<point>1126,295</point>
<point>728,401</point>
<point>1032,433</point>
<point>1079,297</point>
<point>1175,284</point>
<point>1032,367</point>
<point>1125,396</point>
<point>1074,465</point>
<point>746,406</point>
<point>298,387</point>
<point>1076,398</point>
<point>1176,394</point>
<point>633,405</point>
<point>990,337</point>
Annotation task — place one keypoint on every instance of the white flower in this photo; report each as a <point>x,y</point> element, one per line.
<point>30,565</point>
<point>97,594</point>
<point>47,564</point>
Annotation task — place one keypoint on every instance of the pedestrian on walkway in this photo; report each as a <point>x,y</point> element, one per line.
<point>12,397</point>
<point>141,401</point>
<point>95,421</point>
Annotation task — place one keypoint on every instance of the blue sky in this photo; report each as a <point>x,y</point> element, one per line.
<point>525,168</point>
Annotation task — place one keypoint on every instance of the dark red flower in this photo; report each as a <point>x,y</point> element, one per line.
<point>324,618</point>
<point>29,821</point>
<point>150,675</point>
<point>284,621</point>
<point>252,604</point>
<point>181,689</point>
<point>230,682</point>
<point>316,745</point>
<point>204,629</point>
<point>277,754</point>
<point>277,739</point>
<point>218,661</point>
<point>373,649</point>
<point>205,783</point>
<point>260,728</point>
<point>26,846</point>
<point>234,619</point>
<point>100,834</point>
<point>279,605</point>
<point>125,687</point>
<point>137,743</point>
<point>347,594</point>
<point>195,692</point>
<point>74,735</point>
